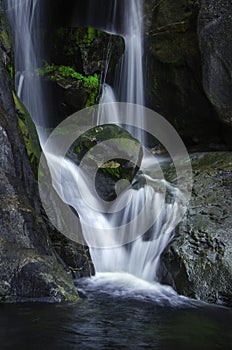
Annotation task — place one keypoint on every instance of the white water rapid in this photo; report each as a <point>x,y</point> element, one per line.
<point>141,257</point>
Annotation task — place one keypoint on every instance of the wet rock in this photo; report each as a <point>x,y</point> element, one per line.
<point>82,58</point>
<point>68,91</point>
<point>215,31</point>
<point>75,256</point>
<point>118,157</point>
<point>87,49</point>
<point>29,268</point>
<point>198,263</point>
<point>174,73</point>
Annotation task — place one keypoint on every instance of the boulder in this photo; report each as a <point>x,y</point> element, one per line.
<point>76,65</point>
<point>198,263</point>
<point>117,160</point>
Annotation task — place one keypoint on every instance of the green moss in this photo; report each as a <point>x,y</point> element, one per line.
<point>68,40</point>
<point>5,38</point>
<point>112,168</point>
<point>10,70</point>
<point>58,73</point>
<point>89,36</point>
<point>29,134</point>
<point>117,168</point>
<point>7,42</point>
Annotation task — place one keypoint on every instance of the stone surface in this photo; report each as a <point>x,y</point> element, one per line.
<point>215,31</point>
<point>174,73</point>
<point>75,256</point>
<point>199,259</point>
<point>88,52</point>
<point>85,49</point>
<point>118,157</point>
<point>29,268</point>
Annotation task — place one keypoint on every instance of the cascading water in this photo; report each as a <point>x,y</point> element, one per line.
<point>129,78</point>
<point>140,257</point>
<point>24,16</point>
<point>129,84</point>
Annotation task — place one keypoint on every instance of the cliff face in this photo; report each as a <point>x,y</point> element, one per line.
<point>189,49</point>
<point>188,52</point>
<point>198,262</point>
<point>215,31</point>
<point>29,267</point>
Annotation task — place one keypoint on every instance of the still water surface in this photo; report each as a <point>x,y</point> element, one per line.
<point>107,318</point>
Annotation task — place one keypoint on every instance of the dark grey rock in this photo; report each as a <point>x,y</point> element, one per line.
<point>215,31</point>
<point>174,73</point>
<point>88,51</point>
<point>198,263</point>
<point>114,161</point>
<point>29,268</point>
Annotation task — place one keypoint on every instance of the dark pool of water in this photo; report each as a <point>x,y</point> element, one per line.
<point>103,321</point>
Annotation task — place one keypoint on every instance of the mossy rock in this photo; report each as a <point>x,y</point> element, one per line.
<point>68,79</point>
<point>85,49</point>
<point>29,133</point>
<point>7,43</point>
<point>122,157</point>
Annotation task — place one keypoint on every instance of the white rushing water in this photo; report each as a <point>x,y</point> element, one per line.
<point>142,256</point>
<point>25,17</point>
<point>129,82</point>
<point>129,79</point>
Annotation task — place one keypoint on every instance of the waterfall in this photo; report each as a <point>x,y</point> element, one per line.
<point>141,256</point>
<point>129,81</point>
<point>25,17</point>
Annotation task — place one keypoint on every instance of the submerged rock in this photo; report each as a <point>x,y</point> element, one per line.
<point>199,260</point>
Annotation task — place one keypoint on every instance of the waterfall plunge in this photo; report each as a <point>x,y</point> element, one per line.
<point>141,257</point>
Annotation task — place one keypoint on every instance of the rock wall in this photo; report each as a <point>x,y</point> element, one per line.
<point>215,32</point>
<point>198,263</point>
<point>188,66</point>
<point>29,266</point>
<point>174,65</point>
